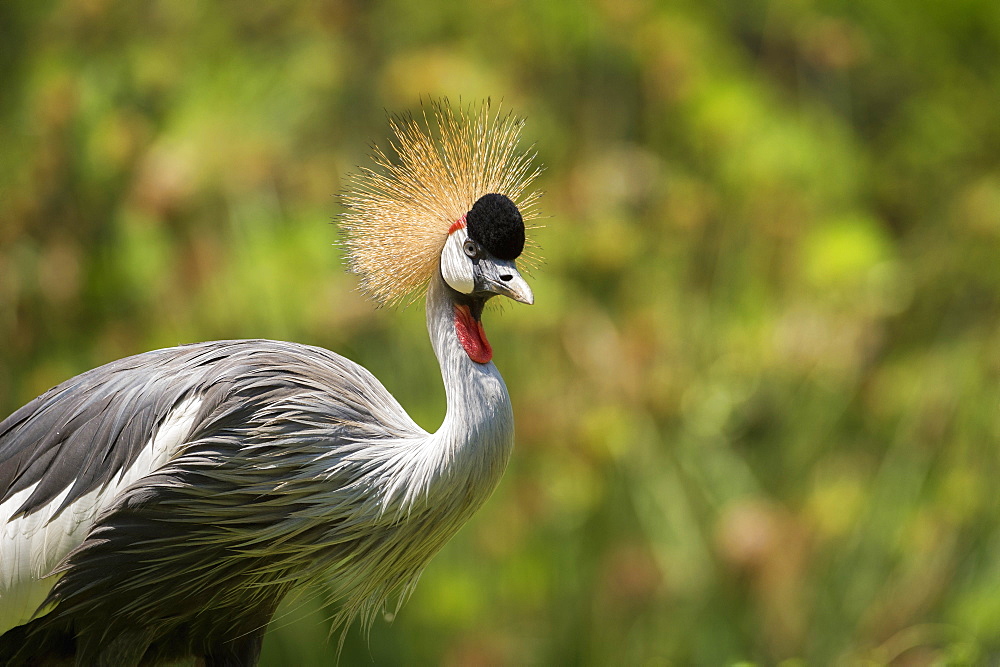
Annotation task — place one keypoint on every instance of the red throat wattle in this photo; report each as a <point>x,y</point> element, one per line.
<point>471,335</point>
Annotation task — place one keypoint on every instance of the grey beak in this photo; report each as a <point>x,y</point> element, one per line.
<point>502,277</point>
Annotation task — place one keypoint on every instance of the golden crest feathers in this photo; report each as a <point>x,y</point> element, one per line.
<point>400,212</point>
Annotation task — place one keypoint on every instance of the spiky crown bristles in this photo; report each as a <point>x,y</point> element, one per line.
<point>400,211</point>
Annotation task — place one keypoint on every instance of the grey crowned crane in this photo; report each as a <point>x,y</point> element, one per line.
<point>159,508</point>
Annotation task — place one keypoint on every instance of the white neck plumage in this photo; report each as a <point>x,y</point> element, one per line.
<point>477,434</point>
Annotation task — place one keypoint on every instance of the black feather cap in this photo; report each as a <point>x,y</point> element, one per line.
<point>495,223</point>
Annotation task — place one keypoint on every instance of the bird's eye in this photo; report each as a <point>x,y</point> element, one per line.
<point>470,248</point>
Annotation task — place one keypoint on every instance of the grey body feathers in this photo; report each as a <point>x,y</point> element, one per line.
<point>299,467</point>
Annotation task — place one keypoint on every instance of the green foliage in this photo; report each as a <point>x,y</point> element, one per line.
<point>757,395</point>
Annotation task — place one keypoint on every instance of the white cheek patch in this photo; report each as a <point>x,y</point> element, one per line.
<point>456,266</point>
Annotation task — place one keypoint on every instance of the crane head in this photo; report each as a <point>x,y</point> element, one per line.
<point>454,199</point>
<point>478,257</point>
<point>478,263</point>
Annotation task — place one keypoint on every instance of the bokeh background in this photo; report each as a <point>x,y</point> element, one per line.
<point>757,398</point>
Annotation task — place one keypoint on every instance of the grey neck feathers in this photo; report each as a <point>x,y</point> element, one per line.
<point>476,437</point>
<point>451,472</point>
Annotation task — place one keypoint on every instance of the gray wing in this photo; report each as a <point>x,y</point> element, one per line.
<point>85,431</point>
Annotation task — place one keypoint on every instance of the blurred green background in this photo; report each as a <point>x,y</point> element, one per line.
<point>757,397</point>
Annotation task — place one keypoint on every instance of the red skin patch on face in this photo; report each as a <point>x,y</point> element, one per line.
<point>457,225</point>
<point>471,335</point>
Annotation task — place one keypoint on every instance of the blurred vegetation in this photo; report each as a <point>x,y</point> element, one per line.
<point>757,397</point>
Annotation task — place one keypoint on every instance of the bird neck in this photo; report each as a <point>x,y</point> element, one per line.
<point>478,427</point>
